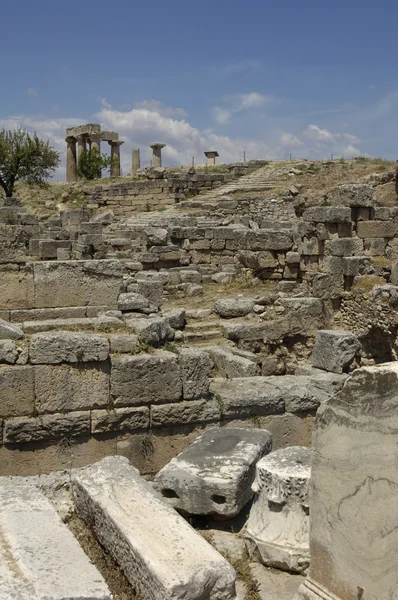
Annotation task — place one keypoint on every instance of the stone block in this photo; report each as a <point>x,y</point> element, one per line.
<point>232,365</point>
<point>17,287</point>
<point>247,397</point>
<point>353,491</point>
<point>8,352</point>
<point>183,413</point>
<point>10,331</point>
<point>144,378</point>
<point>136,302</point>
<point>299,392</point>
<point>213,476</point>
<point>278,526</point>
<point>132,523</point>
<point>176,318</point>
<point>334,351</point>
<point>356,194</point>
<point>41,557</point>
<point>195,366</point>
<point>65,346</point>
<point>153,331</point>
<point>230,308</point>
<point>268,239</point>
<point>19,430</point>
<point>327,286</point>
<point>344,247</point>
<point>64,388</point>
<point>375,229</point>
<point>122,343</point>
<point>16,390</point>
<point>153,290</point>
<point>356,265</point>
<point>77,283</point>
<point>123,420</point>
<point>328,214</point>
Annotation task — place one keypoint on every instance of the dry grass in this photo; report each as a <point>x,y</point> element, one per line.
<point>368,282</point>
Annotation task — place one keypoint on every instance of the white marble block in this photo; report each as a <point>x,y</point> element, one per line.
<point>213,476</point>
<point>278,528</point>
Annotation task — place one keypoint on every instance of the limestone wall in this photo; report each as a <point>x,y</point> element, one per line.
<point>67,399</point>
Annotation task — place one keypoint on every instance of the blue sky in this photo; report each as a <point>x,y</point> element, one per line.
<point>310,78</point>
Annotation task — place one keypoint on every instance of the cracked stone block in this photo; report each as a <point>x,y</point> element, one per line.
<point>230,308</point>
<point>353,489</point>
<point>10,331</point>
<point>277,532</point>
<point>334,350</point>
<point>213,476</point>
<point>161,555</point>
<point>40,558</point>
<point>65,346</point>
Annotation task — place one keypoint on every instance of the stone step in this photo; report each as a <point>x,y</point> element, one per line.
<point>202,336</point>
<point>203,325</point>
<point>39,557</point>
<point>75,323</point>
<point>161,555</point>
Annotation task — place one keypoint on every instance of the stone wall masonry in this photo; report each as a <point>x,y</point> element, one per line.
<point>136,196</point>
<point>72,394</point>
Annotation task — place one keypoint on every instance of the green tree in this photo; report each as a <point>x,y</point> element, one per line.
<point>91,163</point>
<point>25,157</point>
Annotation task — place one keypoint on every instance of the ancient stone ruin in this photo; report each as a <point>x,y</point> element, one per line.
<point>198,383</point>
<point>90,136</point>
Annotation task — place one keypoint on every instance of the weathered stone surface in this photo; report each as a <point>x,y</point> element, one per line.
<point>214,474</point>
<point>344,247</point>
<point>154,330</point>
<point>299,393</point>
<point>66,346</point>
<point>8,352</point>
<point>375,229</point>
<point>18,430</point>
<point>229,308</point>
<point>353,490</point>
<point>17,392</point>
<point>328,286</point>
<point>136,302</point>
<point>77,283</point>
<point>17,287</point>
<point>356,194</point>
<point>176,318</point>
<point>65,324</point>
<point>328,214</point>
<point>71,387</point>
<point>334,350</point>
<point>146,378</point>
<point>120,419</point>
<point>278,526</point>
<point>134,524</point>
<point>328,382</point>
<point>10,331</point>
<point>267,239</point>
<point>246,397</point>
<point>182,413</point>
<point>122,343</point>
<point>40,558</point>
<point>195,367</point>
<point>232,365</point>
<point>356,265</point>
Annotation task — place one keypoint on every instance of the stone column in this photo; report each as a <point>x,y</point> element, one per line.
<point>354,491</point>
<point>157,154</point>
<point>278,527</point>
<point>71,162</point>
<point>81,146</point>
<point>211,157</point>
<point>115,156</point>
<point>136,163</point>
<point>96,145</point>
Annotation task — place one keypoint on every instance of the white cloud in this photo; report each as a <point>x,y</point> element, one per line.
<point>288,140</point>
<point>252,100</point>
<point>32,92</point>
<point>161,109</point>
<point>221,115</point>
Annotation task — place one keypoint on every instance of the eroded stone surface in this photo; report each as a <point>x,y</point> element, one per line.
<point>66,346</point>
<point>214,474</point>
<point>334,350</point>
<point>277,530</point>
<point>158,551</point>
<point>354,485</point>
<point>39,557</point>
